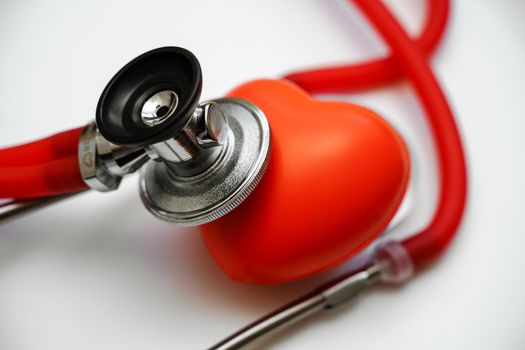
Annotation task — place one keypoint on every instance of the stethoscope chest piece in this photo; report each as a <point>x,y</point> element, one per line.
<point>238,168</point>
<point>205,158</point>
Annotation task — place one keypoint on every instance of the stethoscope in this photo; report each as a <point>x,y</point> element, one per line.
<point>210,163</point>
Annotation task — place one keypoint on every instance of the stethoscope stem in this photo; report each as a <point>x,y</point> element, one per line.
<point>282,318</point>
<point>16,207</point>
<point>331,295</point>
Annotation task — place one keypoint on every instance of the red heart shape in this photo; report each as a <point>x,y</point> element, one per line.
<point>336,176</point>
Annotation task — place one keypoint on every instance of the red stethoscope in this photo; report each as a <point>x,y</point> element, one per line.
<point>243,167</point>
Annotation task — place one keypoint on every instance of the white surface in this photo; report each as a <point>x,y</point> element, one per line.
<point>98,272</point>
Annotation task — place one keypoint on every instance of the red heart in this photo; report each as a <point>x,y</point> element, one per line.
<point>336,176</point>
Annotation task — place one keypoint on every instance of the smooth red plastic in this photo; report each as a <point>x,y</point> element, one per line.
<point>336,176</point>
<point>52,178</point>
<point>429,244</point>
<point>48,149</point>
<point>375,72</point>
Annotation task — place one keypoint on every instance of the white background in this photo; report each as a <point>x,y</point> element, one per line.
<point>98,272</point>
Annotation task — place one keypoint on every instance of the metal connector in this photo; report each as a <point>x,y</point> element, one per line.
<point>329,296</point>
<point>389,264</point>
<point>102,163</point>
<point>349,287</point>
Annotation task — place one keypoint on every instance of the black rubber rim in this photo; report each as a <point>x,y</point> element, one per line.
<point>118,109</point>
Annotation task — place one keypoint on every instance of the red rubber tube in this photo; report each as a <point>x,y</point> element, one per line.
<point>51,148</point>
<point>41,168</point>
<point>31,181</point>
<point>370,74</point>
<point>431,242</point>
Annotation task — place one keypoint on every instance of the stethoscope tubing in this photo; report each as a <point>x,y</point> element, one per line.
<point>423,247</point>
<point>53,175</point>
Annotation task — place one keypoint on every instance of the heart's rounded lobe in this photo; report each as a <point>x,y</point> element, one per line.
<point>336,176</point>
